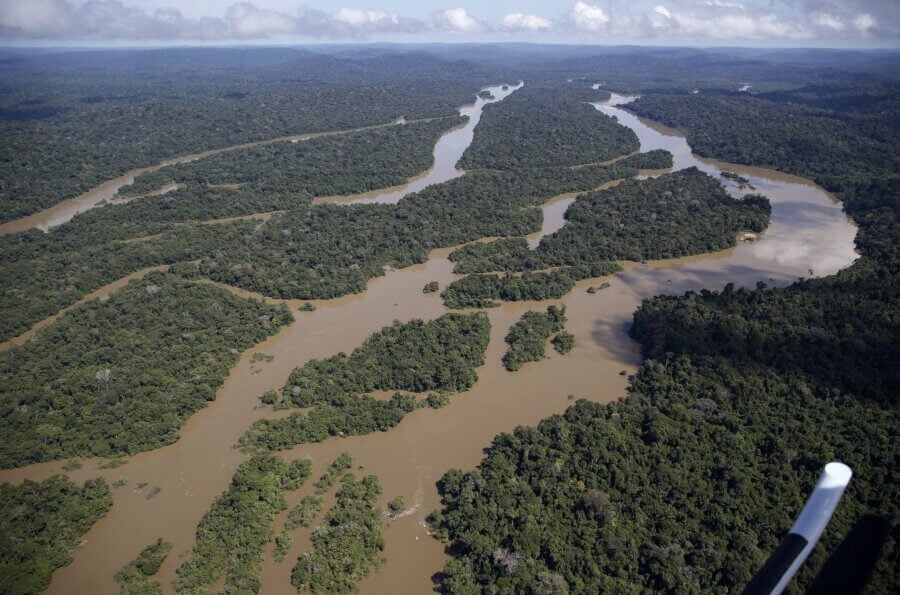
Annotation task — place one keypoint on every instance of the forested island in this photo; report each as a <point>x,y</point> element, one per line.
<point>116,117</point>
<point>232,535</point>
<point>483,291</point>
<point>327,165</point>
<point>546,125</point>
<point>440,355</point>
<point>136,578</point>
<point>677,214</point>
<point>686,484</point>
<point>348,544</point>
<point>528,337</point>
<point>305,253</point>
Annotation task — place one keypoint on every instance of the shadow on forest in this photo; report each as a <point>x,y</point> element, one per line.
<point>851,565</point>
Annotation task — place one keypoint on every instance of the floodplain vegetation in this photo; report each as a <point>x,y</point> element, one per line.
<point>677,214</point>
<point>72,120</point>
<point>547,124</point>
<point>440,355</point>
<point>721,416</point>
<point>302,514</point>
<point>527,339</point>
<point>484,290</point>
<point>685,485</point>
<point>306,252</point>
<point>41,525</point>
<point>347,546</point>
<point>323,166</point>
<point>336,469</point>
<point>232,535</point>
<point>689,482</point>
<point>674,215</point>
<point>136,577</point>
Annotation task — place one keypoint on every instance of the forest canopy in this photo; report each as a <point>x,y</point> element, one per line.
<point>676,214</point>
<point>527,339</point>
<point>233,533</point>
<point>121,375</point>
<point>41,524</point>
<point>541,126</point>
<point>74,119</point>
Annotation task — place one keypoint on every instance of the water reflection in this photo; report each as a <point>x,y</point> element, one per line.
<point>808,228</point>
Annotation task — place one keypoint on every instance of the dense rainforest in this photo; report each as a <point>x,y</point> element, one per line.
<point>73,119</point>
<point>121,375</point>
<point>483,291</point>
<point>41,524</point>
<point>750,392</point>
<point>328,251</point>
<point>322,166</point>
<point>686,485</point>
<point>348,543</point>
<point>689,483</point>
<point>417,356</point>
<point>308,252</point>
<point>136,577</point>
<point>851,151</point>
<point>676,214</point>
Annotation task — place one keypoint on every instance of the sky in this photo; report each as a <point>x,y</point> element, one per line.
<point>774,23</point>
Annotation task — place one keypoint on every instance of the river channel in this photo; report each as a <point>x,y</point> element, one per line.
<point>64,211</point>
<point>809,235</point>
<point>448,151</point>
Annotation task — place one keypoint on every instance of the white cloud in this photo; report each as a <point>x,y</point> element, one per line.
<point>356,17</point>
<point>49,16</point>
<point>661,18</point>
<point>723,4</point>
<point>865,24</point>
<point>517,21</point>
<point>677,21</point>
<point>589,17</point>
<point>828,21</point>
<point>458,20</point>
<point>718,20</point>
<point>113,20</point>
<point>247,21</point>
<point>377,21</point>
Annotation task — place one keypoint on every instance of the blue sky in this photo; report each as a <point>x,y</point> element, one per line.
<point>831,23</point>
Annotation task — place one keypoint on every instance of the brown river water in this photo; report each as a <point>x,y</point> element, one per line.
<point>808,231</point>
<point>65,210</point>
<point>448,151</point>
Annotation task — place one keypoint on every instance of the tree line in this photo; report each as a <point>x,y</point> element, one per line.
<point>41,524</point>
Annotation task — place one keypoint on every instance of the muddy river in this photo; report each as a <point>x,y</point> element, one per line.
<point>808,232</point>
<point>65,210</point>
<point>448,150</point>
